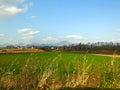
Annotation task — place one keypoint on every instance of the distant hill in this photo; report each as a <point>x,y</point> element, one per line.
<point>62,43</point>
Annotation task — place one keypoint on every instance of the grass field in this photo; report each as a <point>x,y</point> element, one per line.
<point>39,68</point>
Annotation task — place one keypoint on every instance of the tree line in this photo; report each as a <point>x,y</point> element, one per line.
<point>98,47</point>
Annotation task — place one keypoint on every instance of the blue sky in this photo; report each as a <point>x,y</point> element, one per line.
<point>50,21</point>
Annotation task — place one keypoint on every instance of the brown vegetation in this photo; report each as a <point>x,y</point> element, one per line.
<point>20,50</point>
<point>114,56</point>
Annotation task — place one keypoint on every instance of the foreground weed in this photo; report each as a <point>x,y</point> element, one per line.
<point>111,74</point>
<point>80,77</point>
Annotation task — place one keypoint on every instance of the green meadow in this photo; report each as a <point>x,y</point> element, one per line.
<point>67,57</point>
<point>42,66</point>
<point>45,58</point>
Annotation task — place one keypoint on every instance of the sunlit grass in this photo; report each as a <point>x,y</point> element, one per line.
<point>58,70</point>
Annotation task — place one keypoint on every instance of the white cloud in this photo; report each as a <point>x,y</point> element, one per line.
<point>12,7</point>
<point>27,33</point>
<point>13,10</point>
<point>25,30</point>
<point>1,35</point>
<point>49,40</point>
<point>75,37</point>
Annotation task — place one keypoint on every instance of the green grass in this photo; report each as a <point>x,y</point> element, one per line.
<point>44,58</point>
<point>38,68</point>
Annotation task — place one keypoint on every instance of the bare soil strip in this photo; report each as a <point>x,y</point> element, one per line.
<point>20,51</point>
<point>114,56</point>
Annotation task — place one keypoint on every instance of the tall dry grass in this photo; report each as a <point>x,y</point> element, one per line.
<point>111,74</point>
<point>35,76</point>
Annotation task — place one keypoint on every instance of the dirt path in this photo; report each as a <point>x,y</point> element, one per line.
<point>114,56</point>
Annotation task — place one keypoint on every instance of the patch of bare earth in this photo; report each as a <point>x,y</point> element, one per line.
<point>20,51</point>
<point>114,56</point>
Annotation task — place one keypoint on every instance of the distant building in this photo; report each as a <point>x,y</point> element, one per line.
<point>52,48</point>
<point>21,47</point>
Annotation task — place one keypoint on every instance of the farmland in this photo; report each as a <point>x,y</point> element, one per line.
<point>45,57</point>
<point>16,70</point>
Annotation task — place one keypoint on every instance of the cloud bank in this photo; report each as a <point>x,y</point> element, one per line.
<point>1,35</point>
<point>12,7</point>
<point>27,33</point>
